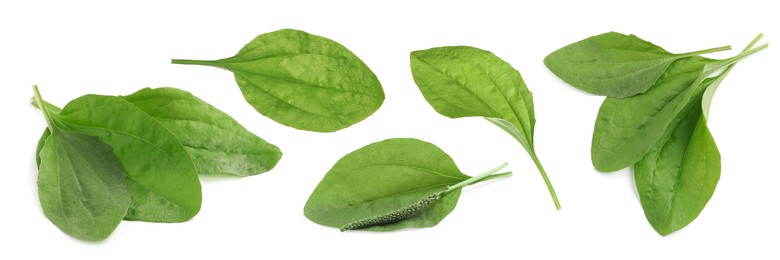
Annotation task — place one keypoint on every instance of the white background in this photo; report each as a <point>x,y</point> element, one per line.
<point>71,48</point>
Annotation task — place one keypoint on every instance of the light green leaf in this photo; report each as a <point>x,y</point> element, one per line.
<point>216,142</point>
<point>384,178</point>
<point>303,81</point>
<point>613,64</point>
<point>462,81</point>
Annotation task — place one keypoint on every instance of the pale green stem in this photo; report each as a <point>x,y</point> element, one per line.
<point>39,103</point>
<point>197,62</point>
<point>514,132</point>
<point>753,43</point>
<point>711,50</point>
<point>736,58</point>
<point>714,86</point>
<point>51,108</point>
<point>495,176</point>
<point>546,180</point>
<point>477,178</point>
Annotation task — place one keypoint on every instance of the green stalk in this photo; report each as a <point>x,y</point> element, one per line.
<point>714,86</point>
<point>719,65</point>
<point>40,104</point>
<point>477,178</point>
<point>510,129</point>
<point>495,176</point>
<point>213,63</point>
<point>711,50</point>
<point>546,180</point>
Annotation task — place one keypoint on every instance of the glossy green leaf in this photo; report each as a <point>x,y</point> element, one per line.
<point>215,141</point>
<point>462,81</point>
<point>303,81</point>
<point>613,64</point>
<point>161,177</point>
<point>386,178</point>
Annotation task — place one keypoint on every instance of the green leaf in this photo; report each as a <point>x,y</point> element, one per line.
<point>81,185</point>
<point>387,178</point>
<point>216,143</point>
<point>677,178</point>
<point>303,81</point>
<point>161,177</point>
<point>613,64</point>
<point>462,81</point>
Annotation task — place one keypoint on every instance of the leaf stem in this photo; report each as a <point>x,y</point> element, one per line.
<point>495,176</point>
<point>710,91</point>
<point>546,180</point>
<point>711,50</point>
<point>212,63</point>
<point>40,104</point>
<point>477,178</point>
<point>736,58</point>
<point>753,43</point>
<point>514,132</point>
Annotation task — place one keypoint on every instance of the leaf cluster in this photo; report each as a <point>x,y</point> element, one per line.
<point>106,158</point>
<point>654,118</point>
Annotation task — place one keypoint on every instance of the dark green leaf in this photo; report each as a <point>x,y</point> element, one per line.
<point>161,177</point>
<point>81,185</point>
<point>215,141</point>
<point>303,81</point>
<point>677,178</point>
<point>613,64</point>
<point>386,178</point>
<point>462,81</point>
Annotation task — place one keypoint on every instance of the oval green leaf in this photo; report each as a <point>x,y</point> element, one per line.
<point>384,177</point>
<point>677,178</point>
<point>216,142</point>
<point>81,185</point>
<point>303,81</point>
<point>613,64</point>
